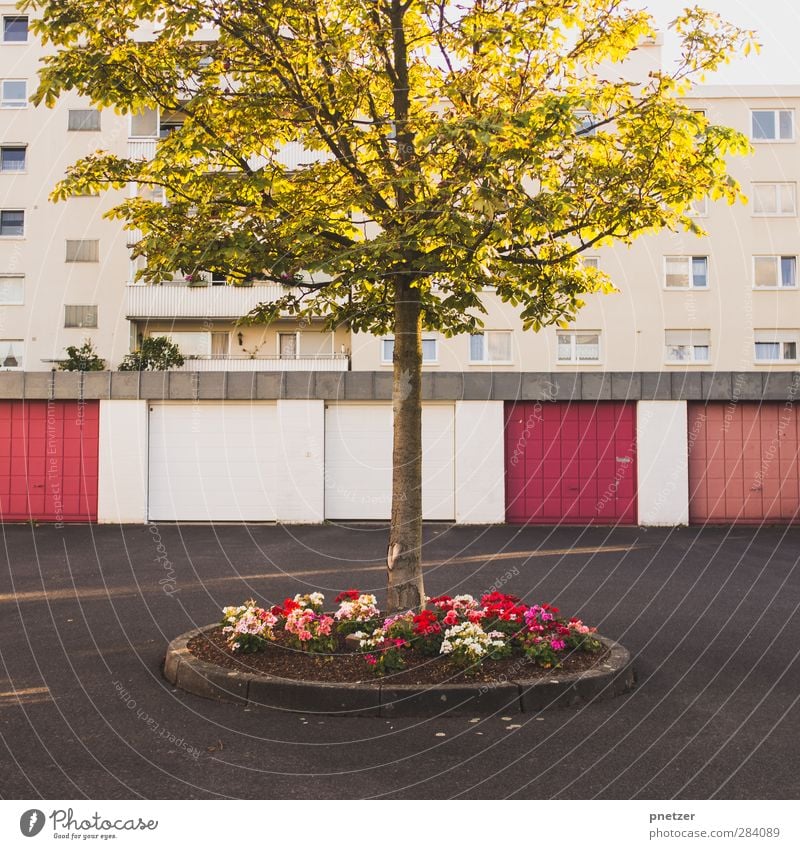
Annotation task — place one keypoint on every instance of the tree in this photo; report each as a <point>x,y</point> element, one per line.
<point>84,358</point>
<point>485,143</point>
<point>156,353</point>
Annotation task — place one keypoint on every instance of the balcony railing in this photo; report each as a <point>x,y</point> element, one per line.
<point>141,148</point>
<point>316,362</point>
<point>292,155</point>
<point>183,301</point>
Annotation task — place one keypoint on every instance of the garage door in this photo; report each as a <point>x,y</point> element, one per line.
<point>358,462</point>
<point>571,463</point>
<point>48,461</point>
<point>743,462</point>
<point>212,462</point>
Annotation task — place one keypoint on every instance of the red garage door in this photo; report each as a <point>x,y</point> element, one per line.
<point>573,463</point>
<point>743,462</point>
<point>48,461</point>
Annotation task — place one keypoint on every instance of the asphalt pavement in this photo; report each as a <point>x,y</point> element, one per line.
<point>710,615</point>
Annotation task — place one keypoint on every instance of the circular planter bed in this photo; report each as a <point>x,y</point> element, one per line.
<point>210,662</point>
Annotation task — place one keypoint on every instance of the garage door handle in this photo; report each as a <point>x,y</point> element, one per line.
<point>38,486</point>
<point>623,459</point>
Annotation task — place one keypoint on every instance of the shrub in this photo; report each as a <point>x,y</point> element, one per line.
<point>156,353</point>
<point>84,358</point>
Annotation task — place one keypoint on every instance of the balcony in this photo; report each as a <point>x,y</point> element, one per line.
<point>292,155</point>
<point>318,362</point>
<point>143,148</point>
<point>169,301</point>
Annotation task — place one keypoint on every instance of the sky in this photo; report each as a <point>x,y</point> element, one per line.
<point>777,23</point>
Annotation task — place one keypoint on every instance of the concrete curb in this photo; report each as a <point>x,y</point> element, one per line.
<point>612,678</point>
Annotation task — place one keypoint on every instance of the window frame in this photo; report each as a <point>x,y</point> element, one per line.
<point>693,360</point>
<point>15,103</point>
<point>18,17</point>
<point>81,325</point>
<point>488,362</point>
<point>573,346</point>
<point>776,186</point>
<point>21,364</point>
<point>776,287</point>
<point>97,129</point>
<point>691,286</point>
<point>81,241</point>
<point>426,337</point>
<point>776,124</point>
<point>9,146</point>
<point>12,235</point>
<point>781,338</point>
<point>12,276</point>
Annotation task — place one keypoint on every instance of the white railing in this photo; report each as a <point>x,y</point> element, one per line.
<point>183,301</point>
<point>141,148</point>
<point>319,362</point>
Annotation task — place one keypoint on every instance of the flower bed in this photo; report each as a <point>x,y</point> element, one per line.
<point>452,638</point>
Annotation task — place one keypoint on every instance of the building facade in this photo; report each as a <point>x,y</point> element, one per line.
<point>670,401</point>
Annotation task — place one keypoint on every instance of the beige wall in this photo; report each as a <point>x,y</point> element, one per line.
<point>632,322</point>
<point>50,282</point>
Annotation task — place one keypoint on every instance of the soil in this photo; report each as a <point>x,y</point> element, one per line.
<point>348,666</point>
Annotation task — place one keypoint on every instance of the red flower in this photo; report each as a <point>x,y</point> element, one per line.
<point>443,602</point>
<point>425,623</point>
<point>451,618</point>
<point>347,595</point>
<point>289,604</point>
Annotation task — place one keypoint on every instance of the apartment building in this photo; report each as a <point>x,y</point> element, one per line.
<point>636,413</point>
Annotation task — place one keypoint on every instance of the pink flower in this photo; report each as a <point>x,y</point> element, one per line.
<point>557,645</point>
<point>371,659</point>
<point>475,616</point>
<point>451,618</point>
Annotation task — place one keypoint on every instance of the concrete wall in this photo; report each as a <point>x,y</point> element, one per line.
<point>301,461</point>
<point>480,462</point>
<point>663,463</point>
<point>122,484</point>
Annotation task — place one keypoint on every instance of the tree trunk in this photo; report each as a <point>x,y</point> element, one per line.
<point>404,556</point>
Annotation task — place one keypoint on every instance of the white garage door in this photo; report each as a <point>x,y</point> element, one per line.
<point>212,462</point>
<point>358,462</point>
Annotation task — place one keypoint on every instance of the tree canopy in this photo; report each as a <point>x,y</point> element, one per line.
<point>464,144</point>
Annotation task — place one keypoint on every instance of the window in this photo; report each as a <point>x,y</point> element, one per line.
<point>144,123</point>
<point>220,344</point>
<point>686,272</point>
<point>578,346</point>
<point>83,250</point>
<point>12,222</point>
<point>687,346</point>
<point>12,158</point>
<point>772,125</point>
<point>15,29</point>
<point>775,272</point>
<point>80,315</point>
<point>586,123</point>
<point>14,94</point>
<point>12,289</point>
<point>11,353</point>
<point>491,346</point>
<point>698,208</point>
<point>776,346</point>
<point>83,120</point>
<point>591,262</point>
<point>316,343</point>
<point>430,350</point>
<point>191,343</point>
<point>773,199</point>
